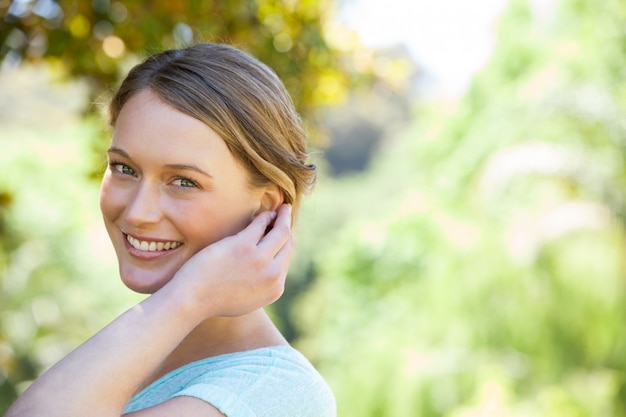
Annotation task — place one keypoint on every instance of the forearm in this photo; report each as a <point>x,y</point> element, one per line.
<point>100,376</point>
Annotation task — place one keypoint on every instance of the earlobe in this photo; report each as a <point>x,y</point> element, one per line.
<point>272,198</point>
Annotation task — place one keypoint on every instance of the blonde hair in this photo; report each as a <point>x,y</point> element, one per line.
<point>238,97</point>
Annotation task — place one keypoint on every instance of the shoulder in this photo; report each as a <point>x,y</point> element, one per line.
<point>274,381</point>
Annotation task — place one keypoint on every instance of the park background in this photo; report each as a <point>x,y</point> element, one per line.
<point>463,252</point>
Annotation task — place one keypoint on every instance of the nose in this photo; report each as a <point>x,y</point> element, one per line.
<point>143,207</point>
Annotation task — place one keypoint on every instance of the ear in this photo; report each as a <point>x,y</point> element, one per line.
<point>271,198</point>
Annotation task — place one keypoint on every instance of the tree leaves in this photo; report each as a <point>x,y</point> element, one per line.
<point>98,39</point>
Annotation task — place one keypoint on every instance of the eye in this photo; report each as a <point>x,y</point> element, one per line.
<point>122,168</point>
<point>184,183</point>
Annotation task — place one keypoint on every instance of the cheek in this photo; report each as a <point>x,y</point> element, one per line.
<point>110,201</point>
<point>209,226</point>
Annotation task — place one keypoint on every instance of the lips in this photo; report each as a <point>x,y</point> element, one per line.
<point>151,246</point>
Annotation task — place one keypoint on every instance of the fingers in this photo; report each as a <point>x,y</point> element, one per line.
<point>258,226</point>
<point>278,271</point>
<point>280,231</point>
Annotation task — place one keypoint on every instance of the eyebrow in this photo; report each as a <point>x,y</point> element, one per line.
<point>186,167</point>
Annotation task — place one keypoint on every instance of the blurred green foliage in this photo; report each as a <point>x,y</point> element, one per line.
<point>480,269</point>
<point>56,268</point>
<point>477,268</point>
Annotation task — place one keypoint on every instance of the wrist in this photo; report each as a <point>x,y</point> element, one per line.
<point>182,302</point>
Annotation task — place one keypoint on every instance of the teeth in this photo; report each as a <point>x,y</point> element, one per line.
<point>151,246</point>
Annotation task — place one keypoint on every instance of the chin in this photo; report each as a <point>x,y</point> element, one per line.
<point>143,282</point>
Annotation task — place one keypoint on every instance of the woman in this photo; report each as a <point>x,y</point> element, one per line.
<point>206,163</point>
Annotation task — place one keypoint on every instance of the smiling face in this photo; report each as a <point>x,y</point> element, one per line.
<point>172,187</point>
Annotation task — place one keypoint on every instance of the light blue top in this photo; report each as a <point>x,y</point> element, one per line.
<point>275,381</point>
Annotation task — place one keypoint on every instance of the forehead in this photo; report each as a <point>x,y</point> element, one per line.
<point>149,130</point>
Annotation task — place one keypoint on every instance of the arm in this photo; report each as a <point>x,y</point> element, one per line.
<point>247,272</point>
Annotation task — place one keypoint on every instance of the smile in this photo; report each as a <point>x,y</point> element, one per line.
<point>151,246</point>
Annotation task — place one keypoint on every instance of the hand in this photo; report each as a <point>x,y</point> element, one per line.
<point>240,273</point>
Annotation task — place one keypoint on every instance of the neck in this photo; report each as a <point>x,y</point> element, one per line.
<point>221,335</point>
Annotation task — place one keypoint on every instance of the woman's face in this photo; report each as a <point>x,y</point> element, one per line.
<point>172,187</point>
